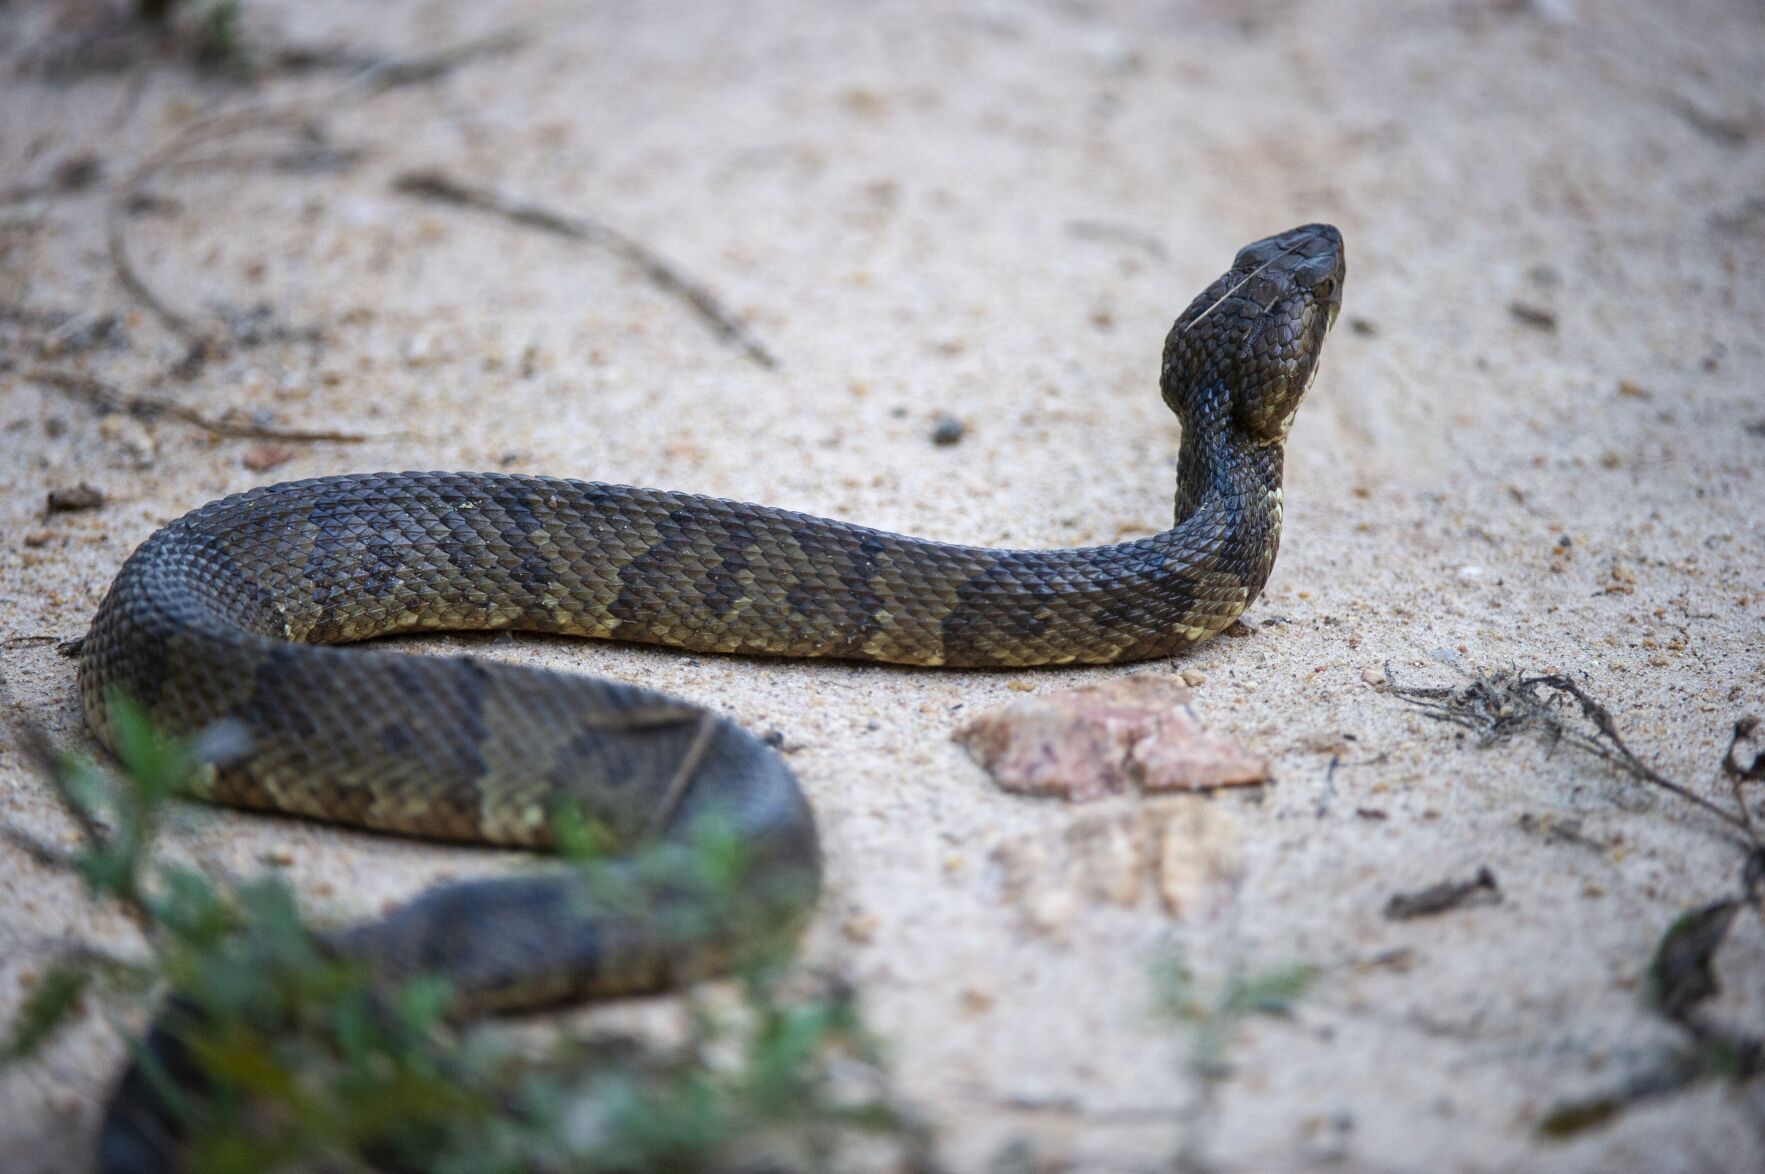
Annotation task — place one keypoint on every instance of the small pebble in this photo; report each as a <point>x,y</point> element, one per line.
<point>1373,677</point>
<point>132,437</point>
<point>948,430</point>
<point>1193,677</point>
<point>79,497</point>
<point>1536,317</point>
<point>39,538</point>
<point>265,457</point>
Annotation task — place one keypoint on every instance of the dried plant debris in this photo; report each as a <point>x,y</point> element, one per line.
<point>1498,705</point>
<point>1439,898</point>
<point>1096,740</point>
<point>1682,975</point>
<point>1681,978</point>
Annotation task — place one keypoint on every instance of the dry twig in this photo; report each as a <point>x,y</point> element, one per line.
<point>146,407</point>
<point>301,116</point>
<point>436,186</point>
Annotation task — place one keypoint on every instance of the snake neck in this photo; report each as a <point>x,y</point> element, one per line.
<point>1228,501</point>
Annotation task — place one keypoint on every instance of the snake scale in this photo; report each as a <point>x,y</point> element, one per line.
<point>231,614</point>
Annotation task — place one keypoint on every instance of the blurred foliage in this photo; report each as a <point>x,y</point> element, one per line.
<point>303,1059</point>
<point>1211,1014</point>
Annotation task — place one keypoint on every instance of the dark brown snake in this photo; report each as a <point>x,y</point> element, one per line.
<point>227,614</point>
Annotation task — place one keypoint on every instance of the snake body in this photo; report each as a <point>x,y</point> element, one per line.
<point>230,616</point>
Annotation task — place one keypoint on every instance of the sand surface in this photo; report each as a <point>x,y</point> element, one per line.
<point>993,211</point>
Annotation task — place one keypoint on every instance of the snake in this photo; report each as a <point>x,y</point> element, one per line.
<point>234,617</point>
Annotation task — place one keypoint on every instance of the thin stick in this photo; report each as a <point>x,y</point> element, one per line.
<point>1737,774</point>
<point>107,398</point>
<point>128,189</point>
<point>689,766</point>
<point>441,188</point>
<point>377,75</point>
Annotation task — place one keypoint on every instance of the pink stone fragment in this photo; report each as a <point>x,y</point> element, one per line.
<point>1096,740</point>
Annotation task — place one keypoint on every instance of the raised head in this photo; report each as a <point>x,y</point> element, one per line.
<point>1244,352</point>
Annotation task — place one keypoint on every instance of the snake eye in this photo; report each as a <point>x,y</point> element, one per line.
<point>1325,289</point>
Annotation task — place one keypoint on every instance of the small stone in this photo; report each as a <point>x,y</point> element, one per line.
<point>78,497</point>
<point>40,538</point>
<point>1081,744</point>
<point>1373,677</point>
<point>130,435</point>
<point>1193,677</point>
<point>1536,317</point>
<point>1052,910</point>
<point>1439,898</point>
<point>265,457</point>
<point>420,350</point>
<point>860,928</point>
<point>976,1001</point>
<point>948,431</point>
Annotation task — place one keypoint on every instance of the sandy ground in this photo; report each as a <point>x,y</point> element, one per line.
<point>994,211</point>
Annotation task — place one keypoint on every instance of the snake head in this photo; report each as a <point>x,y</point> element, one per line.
<point>1246,349</point>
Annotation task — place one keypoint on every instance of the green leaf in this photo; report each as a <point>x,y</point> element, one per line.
<point>1173,988</point>
<point>424,1000</point>
<point>157,764</point>
<point>1271,993</point>
<point>54,999</point>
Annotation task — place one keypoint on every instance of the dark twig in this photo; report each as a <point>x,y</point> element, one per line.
<point>1438,898</point>
<point>433,185</point>
<point>103,396</point>
<point>1744,729</point>
<point>390,72</point>
<point>41,851</point>
<point>129,190</point>
<point>301,116</point>
<point>684,774</point>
